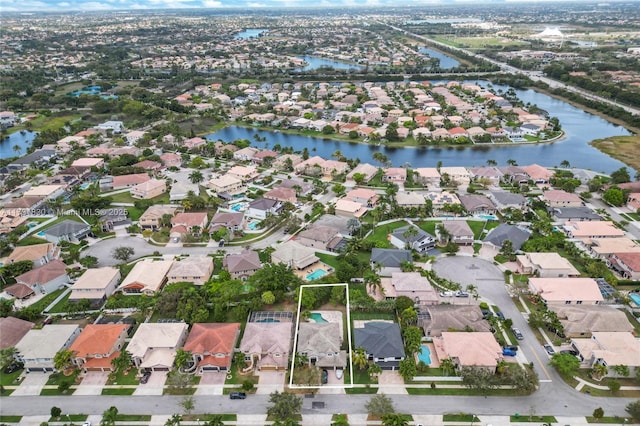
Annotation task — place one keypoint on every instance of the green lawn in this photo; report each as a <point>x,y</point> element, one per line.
<point>7,379</point>
<point>372,316</point>
<point>125,197</point>
<point>41,304</point>
<point>69,418</point>
<point>10,419</point>
<point>119,378</point>
<point>134,213</point>
<point>30,241</point>
<point>328,259</point>
<point>118,391</point>
<point>460,418</point>
<point>380,234</point>
<point>536,419</point>
<point>56,392</point>
<point>61,306</point>
<point>458,391</point>
<point>133,418</point>
<point>607,420</point>
<point>429,226</point>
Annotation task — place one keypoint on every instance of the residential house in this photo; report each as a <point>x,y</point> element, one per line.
<point>458,174</point>
<point>11,219</point>
<point>153,346</point>
<point>242,265</point>
<point>458,231</point>
<point>412,237</point>
<point>146,277</point>
<point>476,204</point>
<point>294,255</point>
<point>153,166</point>
<point>45,279</point>
<point>626,264</point>
<point>67,230</point>
<point>36,158</point>
<point>245,154</point>
<point>592,230</point>
<point>409,200</point>
<point>170,159</point>
<point>603,248</point>
<point>212,345</point>
<point>194,269</point>
<point>39,346</point>
<point>226,184</point>
<point>546,265</point>
<point>367,170</point>
<point>507,200</point>
<point>486,174</point>
<point>367,197</point>
<point>26,206</point>
<point>394,175</point>
<point>115,183</point>
<point>505,232</point>
<point>610,350</point>
<point>573,214</point>
<point>88,163</point>
<point>558,198</point>
<point>283,162</point>
<point>469,349</point>
<point>97,345</point>
<point>514,175</point>
<point>267,345</point>
<point>446,317</point>
<point>428,176</point>
<point>633,201</point>
<point>282,194</point>
<point>12,330</point>
<point>244,173</point>
<point>39,254</point>
<point>583,320</point>
<point>233,221</point>
<point>382,343</point>
<point>194,143</point>
<point>566,291</point>
<point>441,200</point>
<point>262,208</point>
<point>409,284</point>
<point>150,189</point>
<point>389,258</point>
<point>180,190</point>
<point>96,284</point>
<point>192,223</point>
<point>152,218</point>
<point>538,174</point>
<point>48,192</point>
<point>317,236</point>
<point>347,208</point>
<point>320,343</point>
<point>301,187</point>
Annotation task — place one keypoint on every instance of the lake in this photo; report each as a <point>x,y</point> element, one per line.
<point>446,62</point>
<point>16,139</point>
<point>315,62</point>
<point>249,33</point>
<point>580,128</point>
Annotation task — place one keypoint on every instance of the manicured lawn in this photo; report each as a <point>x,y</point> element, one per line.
<point>10,419</point>
<point>56,392</point>
<point>118,391</point>
<point>477,226</point>
<point>431,372</point>
<point>8,379</point>
<point>429,226</point>
<point>61,306</point>
<point>57,378</point>
<point>133,417</point>
<point>460,418</point>
<point>608,420</point>
<point>372,316</point>
<point>204,418</point>
<point>31,240</point>
<point>69,418</point>
<point>328,259</point>
<point>124,379</point>
<point>361,391</point>
<point>458,391</point>
<point>41,304</point>
<point>379,235</point>
<point>125,197</point>
<point>536,419</point>
<point>134,213</point>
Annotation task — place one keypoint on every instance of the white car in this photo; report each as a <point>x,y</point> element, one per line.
<point>339,374</point>
<point>447,293</point>
<point>87,423</point>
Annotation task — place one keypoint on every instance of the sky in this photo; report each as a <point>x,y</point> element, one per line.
<point>100,5</point>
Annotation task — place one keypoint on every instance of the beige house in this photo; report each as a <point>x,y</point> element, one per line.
<point>394,174</point>
<point>458,174</point>
<point>588,230</point>
<point>50,192</point>
<point>546,265</point>
<point>244,173</point>
<point>465,349</point>
<point>364,196</point>
<point>242,265</point>
<point>365,169</point>
<point>146,277</point>
<point>154,345</point>
<point>195,270</point>
<point>409,284</point>
<point>320,343</point>
<point>566,291</point>
<point>282,194</point>
<point>410,199</point>
<point>610,349</point>
<point>294,255</point>
<point>267,345</point>
<point>347,208</point>
<point>428,176</point>
<point>558,198</point>
<point>38,347</point>
<point>602,248</point>
<point>39,254</point>
<point>583,320</point>
<point>95,285</point>
<point>446,317</point>
<point>226,184</point>
<point>152,217</point>
<point>317,237</point>
<point>150,189</point>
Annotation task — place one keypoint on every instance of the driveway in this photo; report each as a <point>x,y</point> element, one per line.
<point>155,385</point>
<point>32,384</point>
<point>390,383</point>
<point>92,383</point>
<point>489,280</point>
<point>270,381</point>
<point>334,385</point>
<point>211,383</point>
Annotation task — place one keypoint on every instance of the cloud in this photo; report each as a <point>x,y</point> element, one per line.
<point>64,4</point>
<point>211,3</point>
<point>94,5</point>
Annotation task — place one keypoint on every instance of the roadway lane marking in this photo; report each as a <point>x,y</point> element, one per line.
<point>544,368</point>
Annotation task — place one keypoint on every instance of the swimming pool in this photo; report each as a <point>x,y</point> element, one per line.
<point>487,217</point>
<point>318,273</point>
<point>268,320</point>
<point>236,207</point>
<point>85,185</point>
<point>425,354</point>
<point>317,317</point>
<point>31,224</point>
<point>253,224</point>
<point>635,297</point>
<point>40,234</point>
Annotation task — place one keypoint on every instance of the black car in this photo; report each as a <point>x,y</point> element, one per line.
<point>13,368</point>
<point>570,352</point>
<point>145,377</point>
<point>237,395</point>
<point>325,377</point>
<point>500,315</point>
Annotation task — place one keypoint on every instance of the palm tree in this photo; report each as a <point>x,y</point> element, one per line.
<point>63,359</point>
<point>447,366</point>
<point>599,371</point>
<point>373,281</point>
<point>122,361</point>
<point>182,358</point>
<point>216,420</point>
<point>565,164</point>
<point>359,358</point>
<point>196,176</point>
<point>445,235</point>
<point>492,163</point>
<point>394,419</point>
<point>512,162</point>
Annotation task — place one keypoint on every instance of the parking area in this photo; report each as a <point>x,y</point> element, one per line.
<point>92,383</point>
<point>390,382</point>
<point>270,381</point>
<point>332,380</point>
<point>32,384</point>
<point>155,385</point>
<point>211,383</point>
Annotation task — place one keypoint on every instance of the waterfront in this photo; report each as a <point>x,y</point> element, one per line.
<point>580,128</point>
<point>250,33</point>
<point>23,140</point>
<point>446,62</point>
<point>315,62</point>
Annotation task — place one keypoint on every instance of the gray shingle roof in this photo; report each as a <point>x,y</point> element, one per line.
<point>390,258</point>
<point>66,227</point>
<point>503,232</point>
<point>380,339</point>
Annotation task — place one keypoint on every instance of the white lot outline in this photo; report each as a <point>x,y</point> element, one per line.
<point>295,341</point>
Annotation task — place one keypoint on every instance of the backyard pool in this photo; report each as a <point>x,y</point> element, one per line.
<point>318,273</point>
<point>239,207</point>
<point>253,224</point>
<point>635,297</point>
<point>317,317</point>
<point>85,185</point>
<point>425,354</point>
<point>487,217</point>
<point>40,234</point>
<point>32,224</point>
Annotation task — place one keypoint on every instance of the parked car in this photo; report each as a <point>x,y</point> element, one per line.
<point>447,293</point>
<point>460,293</point>
<point>512,348</point>
<point>549,349</point>
<point>13,367</point>
<point>517,333</point>
<point>325,377</point>
<point>508,352</point>
<point>500,315</point>
<point>569,351</point>
<point>145,377</point>
<point>87,423</point>
<point>238,395</point>
<point>339,373</point>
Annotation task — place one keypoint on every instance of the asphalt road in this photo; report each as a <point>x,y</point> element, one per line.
<point>548,400</point>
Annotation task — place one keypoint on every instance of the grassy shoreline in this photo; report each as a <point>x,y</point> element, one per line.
<point>622,148</point>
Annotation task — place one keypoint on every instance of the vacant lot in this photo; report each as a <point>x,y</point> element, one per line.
<point>623,148</point>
